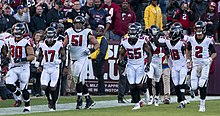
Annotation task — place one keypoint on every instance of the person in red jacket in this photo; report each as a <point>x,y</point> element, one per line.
<point>112,9</point>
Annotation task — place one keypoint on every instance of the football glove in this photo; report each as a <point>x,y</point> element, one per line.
<point>147,68</point>
<point>122,63</point>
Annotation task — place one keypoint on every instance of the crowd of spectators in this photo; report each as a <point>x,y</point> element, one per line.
<point>114,15</point>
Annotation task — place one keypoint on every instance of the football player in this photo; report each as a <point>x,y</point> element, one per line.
<point>155,66</point>
<point>135,46</point>
<point>20,54</point>
<point>200,53</point>
<point>51,53</point>
<point>77,39</point>
<point>176,45</point>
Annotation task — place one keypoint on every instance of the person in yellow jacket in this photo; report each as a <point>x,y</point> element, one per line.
<point>99,57</point>
<point>153,15</point>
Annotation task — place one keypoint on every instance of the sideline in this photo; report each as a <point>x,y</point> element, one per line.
<point>71,106</point>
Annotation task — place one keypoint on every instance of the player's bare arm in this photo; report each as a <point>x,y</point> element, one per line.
<point>147,49</point>
<point>30,53</point>
<point>188,56</point>
<point>66,40</point>
<point>40,56</point>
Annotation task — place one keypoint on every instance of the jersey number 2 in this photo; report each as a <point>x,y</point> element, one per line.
<point>76,40</point>
<point>51,52</point>
<point>198,52</point>
<point>134,53</point>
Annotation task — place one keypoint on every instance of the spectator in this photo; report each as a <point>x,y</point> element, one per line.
<point>198,7</point>
<point>126,17</point>
<point>75,12</point>
<point>211,20</point>
<point>60,30</point>
<point>67,6</point>
<point>88,5</point>
<point>98,16</point>
<point>99,57</point>
<point>8,15</point>
<point>163,6</point>
<point>185,17</point>
<point>3,20</point>
<point>38,21</point>
<point>35,76</point>
<point>46,5</point>
<point>171,9</point>
<point>23,14</point>
<point>137,7</point>
<point>153,15</point>
<point>82,2</point>
<point>112,9</point>
<point>56,14</point>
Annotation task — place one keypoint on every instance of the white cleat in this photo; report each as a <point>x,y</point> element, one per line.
<point>202,108</point>
<point>136,106</point>
<point>156,101</point>
<point>27,109</point>
<point>52,110</point>
<point>151,101</point>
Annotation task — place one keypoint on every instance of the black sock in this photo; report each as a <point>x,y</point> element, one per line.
<point>157,87</point>
<point>149,85</point>
<point>203,92</point>
<point>47,93</point>
<point>53,95</point>
<point>26,97</point>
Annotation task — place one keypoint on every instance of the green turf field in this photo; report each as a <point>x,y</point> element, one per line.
<point>212,109</point>
<point>62,100</point>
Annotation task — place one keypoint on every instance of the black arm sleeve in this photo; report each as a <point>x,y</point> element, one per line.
<point>212,48</point>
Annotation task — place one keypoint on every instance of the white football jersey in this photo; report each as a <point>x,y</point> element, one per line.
<point>135,53</point>
<point>78,42</point>
<point>18,49</point>
<point>51,54</point>
<point>157,54</point>
<point>200,51</point>
<point>1,45</point>
<point>178,58</point>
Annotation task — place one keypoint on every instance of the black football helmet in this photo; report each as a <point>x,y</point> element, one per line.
<point>18,30</point>
<point>200,28</point>
<point>133,33</point>
<point>174,33</point>
<point>79,23</point>
<point>140,30</point>
<point>153,31</point>
<point>50,33</point>
<point>178,25</point>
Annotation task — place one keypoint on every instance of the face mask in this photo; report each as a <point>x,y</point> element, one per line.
<point>97,6</point>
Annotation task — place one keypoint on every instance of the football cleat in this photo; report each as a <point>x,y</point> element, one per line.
<point>89,104</point>
<point>156,101</point>
<point>192,93</point>
<point>17,103</point>
<point>141,103</point>
<point>166,101</point>
<point>202,108</point>
<point>27,109</point>
<point>136,106</point>
<point>79,104</point>
<point>182,105</point>
<point>151,100</point>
